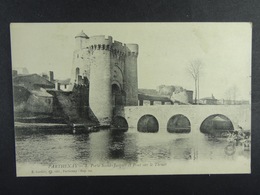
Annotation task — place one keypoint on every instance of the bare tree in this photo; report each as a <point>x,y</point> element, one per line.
<point>235,92</point>
<point>228,94</point>
<point>231,94</point>
<point>194,70</point>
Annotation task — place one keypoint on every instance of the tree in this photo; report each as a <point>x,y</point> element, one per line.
<point>231,94</point>
<point>194,70</point>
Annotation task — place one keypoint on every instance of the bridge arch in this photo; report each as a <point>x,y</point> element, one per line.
<point>216,123</point>
<point>119,123</point>
<point>148,123</point>
<point>179,124</point>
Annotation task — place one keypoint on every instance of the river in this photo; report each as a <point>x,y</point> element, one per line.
<point>41,149</point>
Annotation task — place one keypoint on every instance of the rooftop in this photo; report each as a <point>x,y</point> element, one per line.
<point>34,79</point>
<point>64,82</point>
<point>150,92</point>
<point>41,93</point>
<point>209,98</point>
<point>82,35</point>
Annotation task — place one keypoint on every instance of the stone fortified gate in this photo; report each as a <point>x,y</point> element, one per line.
<point>110,67</point>
<point>239,115</point>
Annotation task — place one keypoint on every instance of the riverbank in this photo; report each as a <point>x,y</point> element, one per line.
<point>53,128</point>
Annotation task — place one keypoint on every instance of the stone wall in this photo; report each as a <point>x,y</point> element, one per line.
<point>73,106</point>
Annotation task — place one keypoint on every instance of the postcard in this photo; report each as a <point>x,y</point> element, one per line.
<point>99,99</point>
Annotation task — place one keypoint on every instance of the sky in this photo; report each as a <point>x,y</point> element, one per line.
<point>165,52</point>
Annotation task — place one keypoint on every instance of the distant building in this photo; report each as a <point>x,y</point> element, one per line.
<point>233,102</point>
<point>152,97</point>
<point>213,101</point>
<point>63,85</point>
<point>209,100</point>
<point>21,70</point>
<point>172,95</point>
<point>32,82</point>
<point>176,93</point>
<point>182,95</point>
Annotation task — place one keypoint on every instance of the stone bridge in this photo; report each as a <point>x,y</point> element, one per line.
<point>239,115</point>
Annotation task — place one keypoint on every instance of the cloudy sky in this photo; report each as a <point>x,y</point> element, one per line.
<point>165,51</point>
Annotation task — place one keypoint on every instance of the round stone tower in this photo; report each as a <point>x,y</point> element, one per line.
<point>131,82</point>
<point>81,40</point>
<point>100,91</point>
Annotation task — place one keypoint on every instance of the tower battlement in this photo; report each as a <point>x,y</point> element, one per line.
<point>119,47</point>
<point>100,40</point>
<point>132,49</point>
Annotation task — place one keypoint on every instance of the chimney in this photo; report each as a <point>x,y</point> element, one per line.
<point>14,73</point>
<point>51,76</point>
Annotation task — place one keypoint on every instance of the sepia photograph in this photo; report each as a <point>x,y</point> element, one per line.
<point>99,99</point>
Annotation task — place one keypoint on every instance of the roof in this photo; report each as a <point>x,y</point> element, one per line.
<point>150,92</point>
<point>208,98</point>
<point>211,98</point>
<point>20,94</point>
<point>64,82</point>
<point>153,98</point>
<point>82,35</point>
<point>33,79</point>
<point>41,93</point>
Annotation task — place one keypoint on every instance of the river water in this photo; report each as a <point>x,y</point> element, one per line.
<point>106,146</point>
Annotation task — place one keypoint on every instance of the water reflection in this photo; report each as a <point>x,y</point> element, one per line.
<point>112,145</point>
<point>116,146</point>
<point>182,148</point>
<point>121,146</point>
<point>41,148</point>
<point>80,147</point>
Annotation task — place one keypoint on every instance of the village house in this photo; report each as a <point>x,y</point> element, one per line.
<point>209,100</point>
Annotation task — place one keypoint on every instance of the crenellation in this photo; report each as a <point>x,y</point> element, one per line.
<point>99,47</point>
<point>134,54</point>
<point>100,39</point>
<point>117,43</point>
